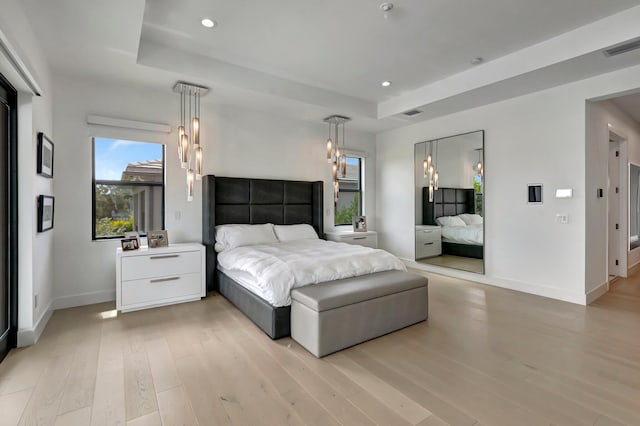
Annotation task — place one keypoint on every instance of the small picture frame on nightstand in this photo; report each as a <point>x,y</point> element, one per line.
<point>359,223</point>
<point>129,244</point>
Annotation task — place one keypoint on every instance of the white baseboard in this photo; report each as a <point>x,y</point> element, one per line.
<point>84,299</point>
<point>29,336</point>
<point>633,268</point>
<point>530,288</point>
<point>597,292</point>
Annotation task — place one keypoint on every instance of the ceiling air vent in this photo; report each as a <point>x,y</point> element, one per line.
<point>412,112</point>
<point>623,48</point>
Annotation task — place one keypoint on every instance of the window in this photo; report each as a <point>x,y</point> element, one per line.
<point>128,187</point>
<point>350,195</point>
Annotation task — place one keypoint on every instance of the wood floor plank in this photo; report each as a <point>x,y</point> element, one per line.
<point>162,365</point>
<point>386,394</point>
<point>80,417</point>
<point>45,399</point>
<point>204,397</point>
<point>175,408</point>
<point>12,406</point>
<point>151,419</point>
<point>140,395</point>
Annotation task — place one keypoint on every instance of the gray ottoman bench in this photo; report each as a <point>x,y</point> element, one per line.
<point>331,316</point>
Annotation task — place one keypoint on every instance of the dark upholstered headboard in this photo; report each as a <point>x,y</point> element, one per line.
<point>228,200</point>
<point>446,202</point>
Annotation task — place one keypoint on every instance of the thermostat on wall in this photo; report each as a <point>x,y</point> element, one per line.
<point>564,193</point>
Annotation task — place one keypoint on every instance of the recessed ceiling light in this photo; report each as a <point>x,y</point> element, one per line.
<point>206,22</point>
<point>386,83</point>
<point>386,7</point>
<point>477,61</point>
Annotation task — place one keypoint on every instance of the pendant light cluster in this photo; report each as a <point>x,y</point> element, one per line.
<point>430,169</point>
<point>189,148</point>
<point>335,156</point>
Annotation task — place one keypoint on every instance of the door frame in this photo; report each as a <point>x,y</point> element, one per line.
<point>12,209</point>
<point>620,138</point>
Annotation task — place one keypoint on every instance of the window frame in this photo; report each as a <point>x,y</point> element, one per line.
<point>95,182</point>
<point>359,191</point>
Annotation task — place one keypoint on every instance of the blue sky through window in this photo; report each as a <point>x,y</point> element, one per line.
<point>113,155</point>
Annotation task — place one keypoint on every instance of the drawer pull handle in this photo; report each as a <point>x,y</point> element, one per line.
<point>428,244</point>
<point>427,231</point>
<point>359,238</point>
<point>160,280</point>
<point>166,256</point>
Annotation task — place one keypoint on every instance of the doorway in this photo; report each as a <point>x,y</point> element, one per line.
<point>617,207</point>
<point>8,218</point>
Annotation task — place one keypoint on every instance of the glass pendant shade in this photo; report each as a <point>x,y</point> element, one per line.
<point>430,193</point>
<point>196,130</point>
<point>337,154</point>
<point>329,149</point>
<point>185,150</point>
<point>190,183</point>
<point>425,169</point>
<point>180,133</point>
<point>198,162</point>
<point>343,165</point>
<point>429,161</point>
<point>334,171</point>
<point>435,181</point>
<point>336,190</point>
<point>431,171</point>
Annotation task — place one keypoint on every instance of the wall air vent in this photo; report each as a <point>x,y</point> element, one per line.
<point>412,112</point>
<point>622,48</point>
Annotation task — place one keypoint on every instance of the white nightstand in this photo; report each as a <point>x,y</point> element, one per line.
<point>367,239</point>
<point>147,278</point>
<point>428,241</point>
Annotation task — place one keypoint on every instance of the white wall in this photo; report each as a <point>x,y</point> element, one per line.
<point>538,138</point>
<point>35,251</point>
<point>599,116</point>
<point>236,142</point>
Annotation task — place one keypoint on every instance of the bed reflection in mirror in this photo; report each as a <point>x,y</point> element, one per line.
<point>449,217</point>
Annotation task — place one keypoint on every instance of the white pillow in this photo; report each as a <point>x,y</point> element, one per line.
<point>450,221</point>
<point>232,236</point>
<point>471,219</point>
<point>295,232</point>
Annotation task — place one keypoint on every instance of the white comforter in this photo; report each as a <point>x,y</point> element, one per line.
<point>279,267</point>
<point>470,234</point>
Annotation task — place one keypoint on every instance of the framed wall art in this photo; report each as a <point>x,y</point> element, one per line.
<point>45,212</point>
<point>45,156</point>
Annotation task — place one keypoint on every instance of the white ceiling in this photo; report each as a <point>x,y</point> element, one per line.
<point>306,58</point>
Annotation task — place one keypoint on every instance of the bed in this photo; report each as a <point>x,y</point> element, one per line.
<point>238,202</point>
<point>463,241</point>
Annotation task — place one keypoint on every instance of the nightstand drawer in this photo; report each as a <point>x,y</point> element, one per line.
<point>361,240</point>
<point>161,265</point>
<point>161,288</point>
<point>428,235</point>
<point>428,249</point>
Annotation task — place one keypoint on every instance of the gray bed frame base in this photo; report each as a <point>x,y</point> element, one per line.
<point>450,202</point>
<point>230,200</point>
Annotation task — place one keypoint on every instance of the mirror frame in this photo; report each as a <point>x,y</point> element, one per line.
<point>629,249</point>
<point>484,191</point>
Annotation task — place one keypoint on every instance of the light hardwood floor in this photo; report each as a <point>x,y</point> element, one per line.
<point>486,356</point>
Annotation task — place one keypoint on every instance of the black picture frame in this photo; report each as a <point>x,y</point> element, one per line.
<point>45,156</point>
<point>45,215</point>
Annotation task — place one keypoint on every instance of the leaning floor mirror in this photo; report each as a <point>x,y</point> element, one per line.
<point>449,195</point>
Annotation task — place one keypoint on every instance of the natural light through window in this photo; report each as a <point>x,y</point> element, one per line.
<point>350,195</point>
<point>128,187</point>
